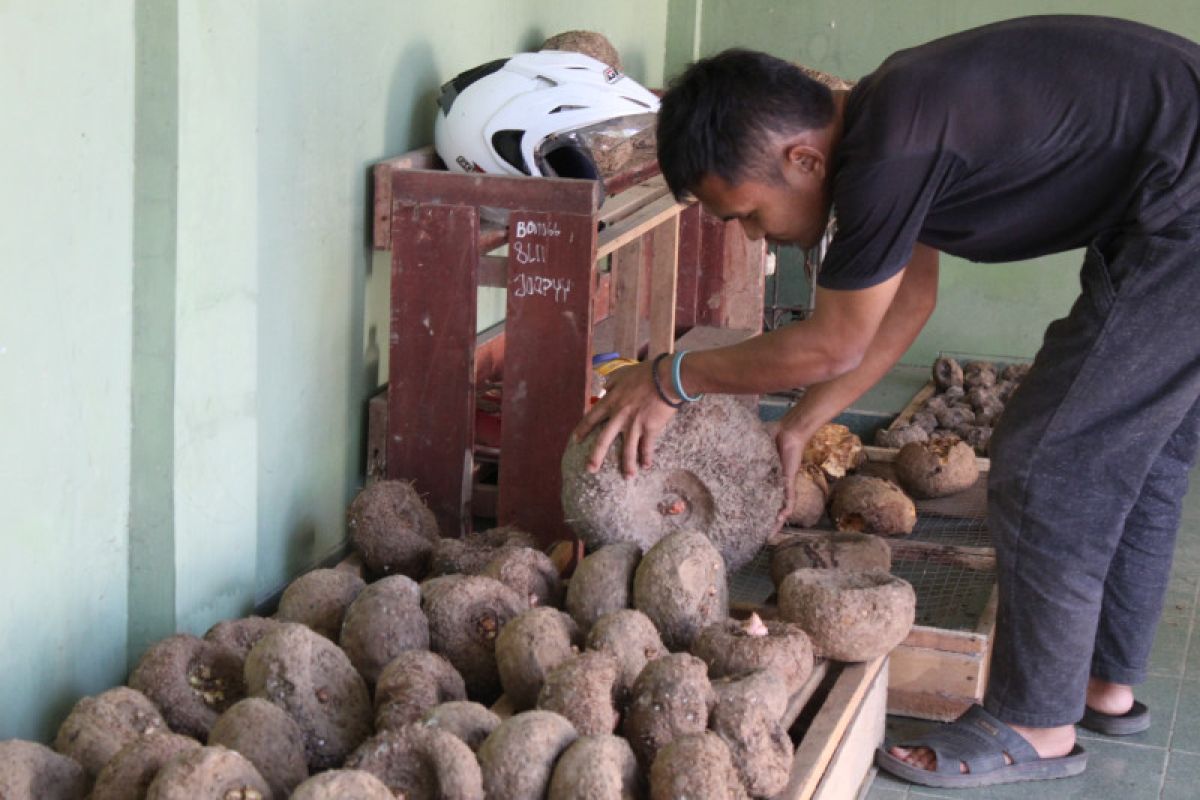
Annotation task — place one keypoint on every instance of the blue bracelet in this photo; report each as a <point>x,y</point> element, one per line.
<point>675,378</point>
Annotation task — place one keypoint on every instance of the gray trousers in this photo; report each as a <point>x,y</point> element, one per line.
<point>1089,468</point>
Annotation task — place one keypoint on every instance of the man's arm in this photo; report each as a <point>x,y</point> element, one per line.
<point>910,309</point>
<point>833,342</point>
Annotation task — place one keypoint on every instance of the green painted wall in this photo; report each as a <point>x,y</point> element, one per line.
<point>66,254</point>
<point>191,317</point>
<point>992,309</point>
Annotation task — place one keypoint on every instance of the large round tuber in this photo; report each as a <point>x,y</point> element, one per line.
<point>528,647</point>
<point>319,599</point>
<point>518,758</point>
<point>835,450</point>
<point>584,690</point>
<point>393,529</point>
<point>671,697</point>
<point>596,768</point>
<point>98,727</point>
<point>469,721</point>
<point>947,372</point>
<point>470,554</point>
<point>129,773</point>
<point>466,613</point>
<point>942,466</point>
<point>343,784</point>
<point>680,585</point>
<point>811,492</point>
<point>192,681</point>
<point>716,471</point>
<point>268,738</point>
<point>849,615</point>
<point>383,621</point>
<point>760,748</point>
<point>529,572</point>
<point>421,763</point>
<point>602,583</point>
<point>590,43</point>
<point>845,549</point>
<point>697,766</point>
<point>412,684</point>
<point>866,504</point>
<point>311,679</point>
<point>629,636</point>
<point>240,635</point>
<point>732,647</point>
<point>208,773</point>
<point>32,771</point>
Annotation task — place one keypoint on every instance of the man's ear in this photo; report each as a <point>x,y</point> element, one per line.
<point>805,159</point>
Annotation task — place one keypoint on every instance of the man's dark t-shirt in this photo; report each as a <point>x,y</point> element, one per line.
<point>1015,140</point>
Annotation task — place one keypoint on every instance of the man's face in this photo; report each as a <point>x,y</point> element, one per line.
<point>792,208</point>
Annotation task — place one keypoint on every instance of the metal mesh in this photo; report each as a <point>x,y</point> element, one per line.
<point>752,583</point>
<point>948,596</point>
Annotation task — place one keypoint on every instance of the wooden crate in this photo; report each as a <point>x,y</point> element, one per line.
<point>548,241</point>
<point>836,720</point>
<point>940,668</point>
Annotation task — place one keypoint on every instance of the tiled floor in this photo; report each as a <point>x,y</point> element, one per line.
<point>1163,762</point>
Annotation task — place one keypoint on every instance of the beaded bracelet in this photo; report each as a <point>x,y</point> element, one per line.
<point>675,379</point>
<point>658,384</point>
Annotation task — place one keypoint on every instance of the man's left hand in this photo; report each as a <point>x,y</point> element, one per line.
<point>631,408</point>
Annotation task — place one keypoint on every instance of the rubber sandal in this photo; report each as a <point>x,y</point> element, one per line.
<point>980,741</point>
<point>1135,720</point>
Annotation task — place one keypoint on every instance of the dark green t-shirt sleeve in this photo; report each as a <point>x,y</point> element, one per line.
<point>880,208</point>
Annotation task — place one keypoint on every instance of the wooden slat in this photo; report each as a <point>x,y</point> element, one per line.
<point>381,175</point>
<point>664,274</point>
<point>847,771</point>
<point>516,193</point>
<point>633,226</point>
<point>690,265</point>
<point>617,207</point>
<point>493,271</point>
<point>547,370</point>
<point>432,357</point>
<point>627,287</point>
<point>980,558</point>
<point>820,743</point>
<point>971,643</point>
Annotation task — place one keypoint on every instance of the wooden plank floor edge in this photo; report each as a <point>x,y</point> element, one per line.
<point>820,742</point>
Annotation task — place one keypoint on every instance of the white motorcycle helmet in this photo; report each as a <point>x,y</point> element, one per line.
<point>539,114</point>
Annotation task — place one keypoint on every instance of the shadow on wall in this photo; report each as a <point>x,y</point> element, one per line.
<point>412,99</point>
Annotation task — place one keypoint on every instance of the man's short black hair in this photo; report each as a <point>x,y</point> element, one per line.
<point>717,117</point>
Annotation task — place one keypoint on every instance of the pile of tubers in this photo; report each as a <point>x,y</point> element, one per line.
<point>967,402</point>
<point>450,668</point>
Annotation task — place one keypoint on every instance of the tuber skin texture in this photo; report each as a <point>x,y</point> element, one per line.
<point>871,505</point>
<point>528,648</point>
<point>731,648</point>
<point>32,771</point>
<point>518,758</point>
<point>383,621</point>
<point>470,722</point>
<point>811,494</point>
<point>393,529</point>
<point>98,727</point>
<point>528,572</point>
<point>412,684</point>
<point>901,435</point>
<point>466,613</point>
<point>128,774</point>
<point>319,599</point>
<point>584,690</point>
<point>311,679</point>
<point>417,762</point>
<point>942,466</point>
<point>672,697</point>
<point>269,738</point>
<point>850,615</point>
<point>192,681</point>
<point>205,772</point>
<point>697,766</point>
<point>947,372</point>
<point>596,768</point>
<point>343,784</point>
<point>680,585</point>
<point>602,583</point>
<point>630,637</point>
<point>845,549</point>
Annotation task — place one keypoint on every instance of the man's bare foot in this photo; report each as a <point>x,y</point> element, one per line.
<point>1109,698</point>
<point>1048,742</point>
